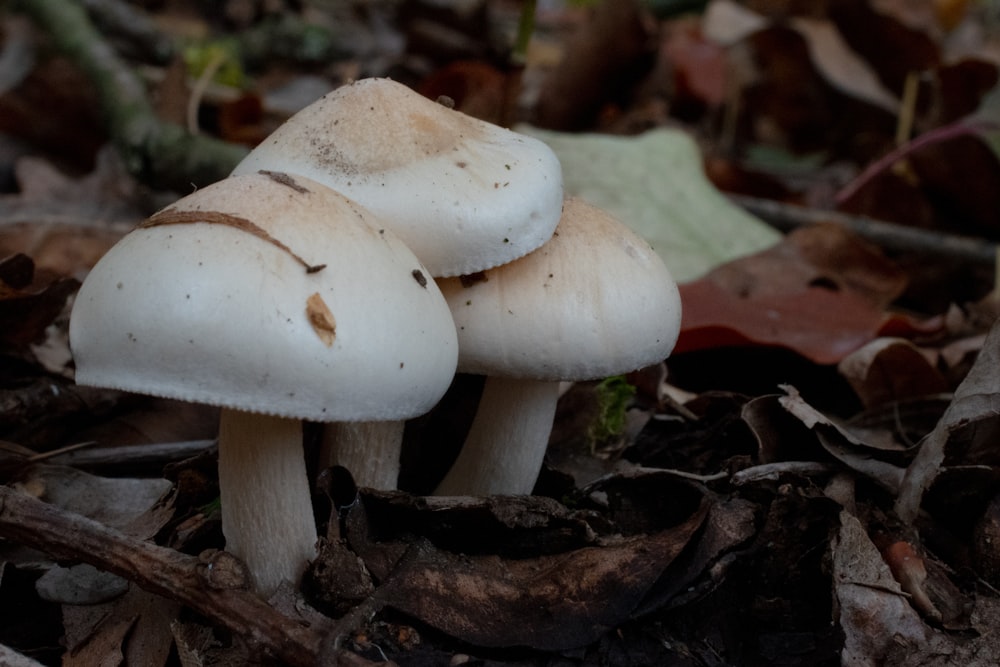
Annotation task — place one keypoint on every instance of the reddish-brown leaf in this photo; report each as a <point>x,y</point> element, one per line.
<point>821,293</point>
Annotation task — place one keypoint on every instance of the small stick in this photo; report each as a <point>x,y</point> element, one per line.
<point>139,454</point>
<point>891,236</point>
<point>171,574</point>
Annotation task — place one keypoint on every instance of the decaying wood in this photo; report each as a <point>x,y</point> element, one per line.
<point>186,579</point>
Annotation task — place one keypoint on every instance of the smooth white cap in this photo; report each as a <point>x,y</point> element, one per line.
<point>219,299</point>
<point>463,194</point>
<point>594,301</point>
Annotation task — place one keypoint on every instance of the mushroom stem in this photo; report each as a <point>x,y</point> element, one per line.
<point>267,513</point>
<point>506,444</point>
<point>370,450</point>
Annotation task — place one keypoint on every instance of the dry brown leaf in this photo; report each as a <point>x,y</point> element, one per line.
<point>106,196</point>
<point>841,66</point>
<point>116,502</point>
<point>730,524</point>
<point>66,249</point>
<point>555,602</point>
<point>966,432</point>
<point>821,292</point>
<point>132,630</point>
<point>101,647</point>
<point>923,15</point>
<point>873,612</point>
<point>728,23</point>
<point>508,577</point>
<point>845,444</point>
<point>891,369</point>
<point>780,436</point>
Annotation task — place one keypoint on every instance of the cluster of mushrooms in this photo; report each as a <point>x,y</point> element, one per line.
<point>374,245</point>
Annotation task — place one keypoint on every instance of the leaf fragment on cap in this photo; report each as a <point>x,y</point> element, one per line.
<point>321,319</point>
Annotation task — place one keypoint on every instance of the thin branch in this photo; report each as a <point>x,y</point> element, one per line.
<point>772,471</point>
<point>171,574</point>
<point>888,235</point>
<point>146,454</point>
<point>161,154</point>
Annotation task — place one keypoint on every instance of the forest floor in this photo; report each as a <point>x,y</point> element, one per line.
<point>811,478</point>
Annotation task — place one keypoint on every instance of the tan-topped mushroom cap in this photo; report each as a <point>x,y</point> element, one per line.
<point>463,194</point>
<point>594,301</point>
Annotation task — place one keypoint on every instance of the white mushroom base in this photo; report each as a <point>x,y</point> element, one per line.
<point>267,513</point>
<point>506,444</point>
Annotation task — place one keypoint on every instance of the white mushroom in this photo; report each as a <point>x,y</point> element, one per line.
<point>592,302</point>
<point>279,300</point>
<point>463,194</point>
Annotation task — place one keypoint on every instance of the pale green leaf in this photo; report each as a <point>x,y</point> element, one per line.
<point>655,183</point>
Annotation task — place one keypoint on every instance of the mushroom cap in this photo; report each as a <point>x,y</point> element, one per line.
<point>272,294</point>
<point>594,301</point>
<point>463,194</point>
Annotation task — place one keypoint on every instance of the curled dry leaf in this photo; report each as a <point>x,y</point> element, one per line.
<point>891,369</point>
<point>134,630</point>
<point>712,434</point>
<point>966,433</point>
<point>729,525</point>
<point>107,197</point>
<point>788,429</point>
<point>553,602</point>
<point>545,598</point>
